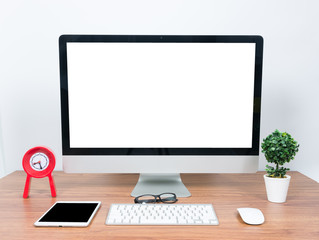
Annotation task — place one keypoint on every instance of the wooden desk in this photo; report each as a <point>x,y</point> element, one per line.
<point>298,218</point>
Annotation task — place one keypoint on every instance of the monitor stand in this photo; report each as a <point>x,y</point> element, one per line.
<point>149,183</point>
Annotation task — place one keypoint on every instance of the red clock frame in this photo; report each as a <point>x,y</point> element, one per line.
<point>46,172</point>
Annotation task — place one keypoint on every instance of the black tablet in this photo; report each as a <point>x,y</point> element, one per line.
<point>69,214</point>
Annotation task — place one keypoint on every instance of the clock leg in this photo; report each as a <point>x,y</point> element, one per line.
<point>52,186</point>
<point>27,187</point>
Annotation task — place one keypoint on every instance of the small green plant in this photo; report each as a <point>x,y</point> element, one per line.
<point>279,148</point>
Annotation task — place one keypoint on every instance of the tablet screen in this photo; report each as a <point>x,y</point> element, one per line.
<point>69,212</point>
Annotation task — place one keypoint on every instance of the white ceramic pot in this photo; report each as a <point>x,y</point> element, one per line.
<point>277,188</point>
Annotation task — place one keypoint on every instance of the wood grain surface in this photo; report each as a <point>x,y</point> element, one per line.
<point>298,218</point>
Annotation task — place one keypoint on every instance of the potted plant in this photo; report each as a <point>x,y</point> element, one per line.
<point>279,148</point>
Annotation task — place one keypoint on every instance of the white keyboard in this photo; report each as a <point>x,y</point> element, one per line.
<point>161,214</point>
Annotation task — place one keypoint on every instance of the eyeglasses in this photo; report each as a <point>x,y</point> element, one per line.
<point>150,198</point>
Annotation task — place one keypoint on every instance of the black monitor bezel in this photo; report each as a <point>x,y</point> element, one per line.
<point>66,150</point>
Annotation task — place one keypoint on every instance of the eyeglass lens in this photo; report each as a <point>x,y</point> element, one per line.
<point>146,199</point>
<point>168,198</point>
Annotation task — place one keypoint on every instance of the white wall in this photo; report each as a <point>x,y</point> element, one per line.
<point>2,162</point>
<point>29,71</point>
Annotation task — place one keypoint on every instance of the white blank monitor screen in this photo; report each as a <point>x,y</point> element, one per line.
<point>160,95</point>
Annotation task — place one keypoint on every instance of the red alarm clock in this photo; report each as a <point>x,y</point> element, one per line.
<point>38,162</point>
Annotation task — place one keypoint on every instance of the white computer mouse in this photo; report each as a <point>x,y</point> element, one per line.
<point>251,216</point>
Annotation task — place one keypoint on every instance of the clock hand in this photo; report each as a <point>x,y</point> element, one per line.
<point>39,162</point>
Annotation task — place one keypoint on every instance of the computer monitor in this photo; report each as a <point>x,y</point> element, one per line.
<point>160,106</point>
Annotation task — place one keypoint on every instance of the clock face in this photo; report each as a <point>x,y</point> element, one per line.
<point>39,161</point>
